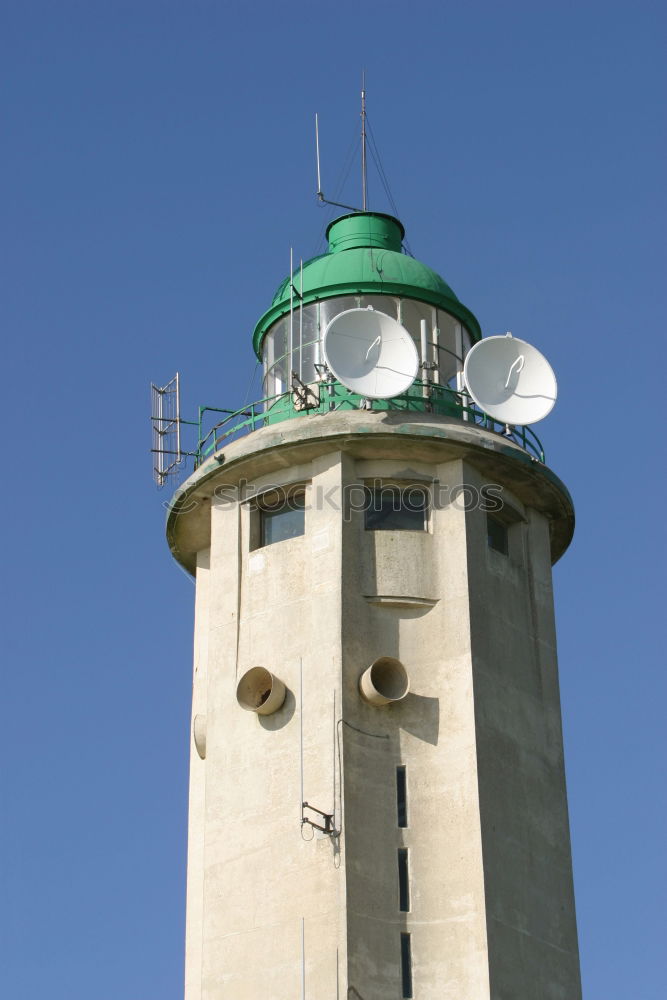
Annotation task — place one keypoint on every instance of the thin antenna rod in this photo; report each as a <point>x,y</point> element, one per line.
<point>460,380</point>
<point>290,360</point>
<point>178,416</point>
<point>363,141</point>
<point>317,153</point>
<point>301,323</point>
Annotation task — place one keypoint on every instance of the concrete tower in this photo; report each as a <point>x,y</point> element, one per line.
<point>348,837</point>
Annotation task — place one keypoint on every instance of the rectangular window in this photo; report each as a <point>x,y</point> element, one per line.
<point>401,796</point>
<point>406,966</point>
<point>281,517</point>
<point>397,508</point>
<point>497,535</point>
<point>403,881</point>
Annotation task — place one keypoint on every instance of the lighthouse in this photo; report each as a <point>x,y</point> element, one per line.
<point>377,802</point>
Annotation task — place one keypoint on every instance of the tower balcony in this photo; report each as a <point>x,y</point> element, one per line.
<point>218,427</point>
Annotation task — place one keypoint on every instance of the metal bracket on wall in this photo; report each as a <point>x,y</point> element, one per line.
<point>304,397</point>
<point>327,827</point>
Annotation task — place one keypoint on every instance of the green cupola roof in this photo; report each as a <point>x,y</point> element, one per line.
<point>364,256</point>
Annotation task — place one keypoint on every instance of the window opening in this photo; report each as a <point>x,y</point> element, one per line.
<point>397,508</point>
<point>403,880</point>
<point>401,796</point>
<point>282,517</point>
<point>497,535</point>
<point>406,966</point>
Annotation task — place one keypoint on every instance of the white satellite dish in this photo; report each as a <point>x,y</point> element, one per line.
<point>510,380</point>
<point>370,353</point>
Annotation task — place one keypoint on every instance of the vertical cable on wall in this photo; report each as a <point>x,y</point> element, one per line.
<point>333,764</point>
<point>301,797</point>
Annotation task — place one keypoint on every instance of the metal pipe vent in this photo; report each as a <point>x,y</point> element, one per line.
<point>385,681</point>
<point>260,691</point>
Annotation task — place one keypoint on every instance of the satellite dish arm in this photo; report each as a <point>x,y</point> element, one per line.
<point>520,362</point>
<point>377,341</point>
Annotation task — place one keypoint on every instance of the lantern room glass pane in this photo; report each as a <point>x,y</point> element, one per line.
<point>305,333</point>
<point>412,315</point>
<point>450,358</point>
<point>448,340</point>
<point>329,308</point>
<point>381,303</point>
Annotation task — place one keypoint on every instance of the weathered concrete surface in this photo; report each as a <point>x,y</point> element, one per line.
<point>531,924</point>
<point>197,804</point>
<point>432,733</point>
<point>492,911</point>
<point>370,436</point>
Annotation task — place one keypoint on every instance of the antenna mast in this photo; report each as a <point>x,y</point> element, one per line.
<point>363,141</point>
<point>166,421</point>
<point>364,172</point>
<point>317,154</point>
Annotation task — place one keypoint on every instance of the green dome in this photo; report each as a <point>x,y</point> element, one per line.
<point>365,256</point>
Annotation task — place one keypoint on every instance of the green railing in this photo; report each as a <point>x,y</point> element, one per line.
<point>329,396</point>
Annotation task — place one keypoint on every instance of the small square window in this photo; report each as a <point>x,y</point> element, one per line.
<point>397,508</point>
<point>281,517</point>
<point>497,535</point>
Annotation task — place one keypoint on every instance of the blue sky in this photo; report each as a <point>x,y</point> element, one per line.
<point>158,163</point>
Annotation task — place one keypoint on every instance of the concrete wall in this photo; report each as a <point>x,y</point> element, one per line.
<point>531,921</point>
<point>197,803</point>
<point>277,607</point>
<point>491,912</point>
<point>432,733</point>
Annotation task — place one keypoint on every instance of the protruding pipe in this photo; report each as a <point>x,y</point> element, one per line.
<point>260,691</point>
<point>385,681</point>
<point>199,734</point>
